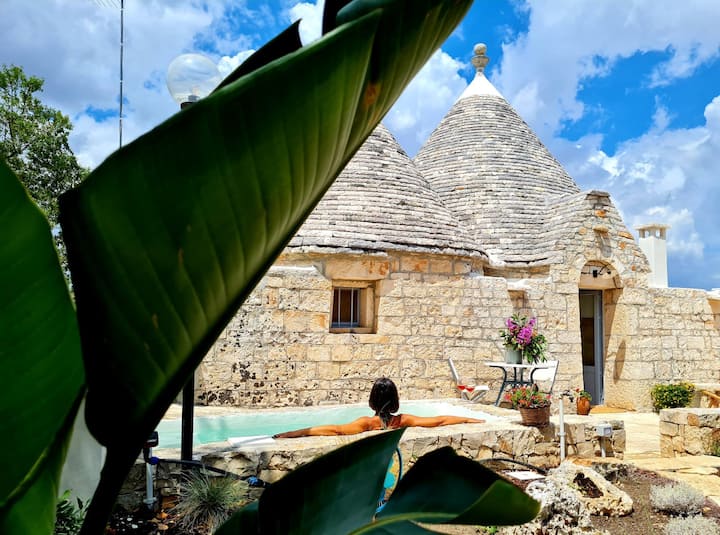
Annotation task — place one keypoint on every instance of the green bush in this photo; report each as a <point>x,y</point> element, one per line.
<point>677,499</point>
<point>69,516</point>
<point>697,525</point>
<point>669,396</point>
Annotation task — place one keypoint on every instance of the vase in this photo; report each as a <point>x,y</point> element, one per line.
<point>583,406</point>
<point>513,356</point>
<point>536,417</point>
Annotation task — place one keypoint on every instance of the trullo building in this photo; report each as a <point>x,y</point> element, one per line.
<point>406,263</point>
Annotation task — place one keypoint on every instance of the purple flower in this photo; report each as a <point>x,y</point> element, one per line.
<point>525,335</point>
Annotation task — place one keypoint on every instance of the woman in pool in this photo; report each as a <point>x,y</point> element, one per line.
<point>385,402</point>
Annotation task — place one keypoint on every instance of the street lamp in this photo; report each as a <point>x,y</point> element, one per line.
<point>190,77</point>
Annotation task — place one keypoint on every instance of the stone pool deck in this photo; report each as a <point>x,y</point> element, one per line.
<point>506,438</point>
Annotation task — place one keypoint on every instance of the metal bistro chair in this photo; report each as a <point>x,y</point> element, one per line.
<point>468,392</point>
<point>544,378</point>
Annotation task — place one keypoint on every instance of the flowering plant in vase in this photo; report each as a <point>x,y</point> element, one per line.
<point>521,334</point>
<point>527,397</point>
<point>580,393</point>
<point>582,402</point>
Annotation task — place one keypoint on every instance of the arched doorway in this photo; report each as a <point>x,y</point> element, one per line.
<point>595,278</point>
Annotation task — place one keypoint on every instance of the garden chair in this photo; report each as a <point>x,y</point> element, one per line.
<point>544,378</point>
<point>468,392</point>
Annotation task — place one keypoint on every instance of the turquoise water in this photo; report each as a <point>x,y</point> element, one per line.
<point>268,422</point>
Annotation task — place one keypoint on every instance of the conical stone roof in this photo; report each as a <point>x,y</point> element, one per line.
<point>493,173</point>
<point>380,202</point>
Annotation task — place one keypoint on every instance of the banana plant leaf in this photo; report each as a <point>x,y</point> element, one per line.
<point>170,234</point>
<point>40,358</point>
<point>338,494</point>
<point>443,487</point>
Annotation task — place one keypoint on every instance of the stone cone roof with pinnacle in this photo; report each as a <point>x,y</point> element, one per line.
<point>380,202</point>
<point>494,174</point>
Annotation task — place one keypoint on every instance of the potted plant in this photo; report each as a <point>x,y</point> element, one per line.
<point>522,340</point>
<point>582,401</point>
<point>534,406</point>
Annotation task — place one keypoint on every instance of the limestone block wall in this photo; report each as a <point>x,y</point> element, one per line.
<point>691,431</point>
<point>278,350</point>
<point>657,335</point>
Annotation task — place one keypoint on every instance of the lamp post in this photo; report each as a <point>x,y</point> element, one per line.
<point>190,77</point>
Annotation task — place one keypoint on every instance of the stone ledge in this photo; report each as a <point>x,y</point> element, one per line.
<point>689,431</point>
<point>491,440</point>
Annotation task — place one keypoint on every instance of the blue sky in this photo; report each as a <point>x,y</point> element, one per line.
<point>624,93</point>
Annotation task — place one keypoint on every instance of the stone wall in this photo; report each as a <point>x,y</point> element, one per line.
<point>657,335</point>
<point>692,431</point>
<point>279,351</point>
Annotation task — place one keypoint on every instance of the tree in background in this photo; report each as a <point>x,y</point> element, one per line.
<point>34,143</point>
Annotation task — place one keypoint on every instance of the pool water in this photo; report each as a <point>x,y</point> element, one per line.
<point>265,423</point>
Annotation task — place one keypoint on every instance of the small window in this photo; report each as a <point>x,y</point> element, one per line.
<point>346,307</point>
<point>353,307</point>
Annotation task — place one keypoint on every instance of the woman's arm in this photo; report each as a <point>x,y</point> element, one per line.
<point>409,420</point>
<point>365,423</point>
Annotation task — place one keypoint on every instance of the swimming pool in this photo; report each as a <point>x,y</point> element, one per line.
<point>255,425</point>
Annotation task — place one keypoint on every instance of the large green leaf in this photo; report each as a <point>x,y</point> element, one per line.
<point>334,494</point>
<point>443,487</point>
<point>338,494</point>
<point>409,33</point>
<point>40,359</point>
<point>170,234</point>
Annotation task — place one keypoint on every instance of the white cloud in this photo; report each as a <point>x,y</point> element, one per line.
<point>667,176</point>
<point>425,101</point>
<point>311,23</point>
<point>542,70</point>
<point>74,47</point>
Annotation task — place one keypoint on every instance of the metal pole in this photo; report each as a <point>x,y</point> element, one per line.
<point>561,433</point>
<point>122,42</point>
<point>188,406</point>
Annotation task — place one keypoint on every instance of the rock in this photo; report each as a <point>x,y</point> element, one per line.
<point>562,511</point>
<point>599,496</point>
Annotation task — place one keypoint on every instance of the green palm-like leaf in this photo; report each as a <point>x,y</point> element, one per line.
<point>443,487</point>
<point>40,359</point>
<point>338,494</point>
<point>170,234</point>
<point>334,494</point>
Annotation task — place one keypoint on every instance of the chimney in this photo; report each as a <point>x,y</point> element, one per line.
<point>653,243</point>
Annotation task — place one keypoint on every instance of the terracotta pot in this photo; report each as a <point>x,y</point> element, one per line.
<point>583,406</point>
<point>539,417</point>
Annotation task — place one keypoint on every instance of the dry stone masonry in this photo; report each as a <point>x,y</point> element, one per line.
<point>690,431</point>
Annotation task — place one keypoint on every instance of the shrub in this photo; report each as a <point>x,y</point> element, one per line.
<point>697,525</point>
<point>677,499</point>
<point>206,501</point>
<point>68,516</point>
<point>668,396</point>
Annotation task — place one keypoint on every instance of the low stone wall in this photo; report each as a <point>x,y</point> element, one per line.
<point>492,440</point>
<point>690,431</point>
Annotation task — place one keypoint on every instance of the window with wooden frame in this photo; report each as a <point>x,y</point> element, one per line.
<point>353,307</point>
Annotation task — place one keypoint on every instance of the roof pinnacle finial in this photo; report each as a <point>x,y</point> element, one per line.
<point>480,59</point>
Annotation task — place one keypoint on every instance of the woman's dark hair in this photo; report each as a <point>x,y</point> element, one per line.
<point>384,399</point>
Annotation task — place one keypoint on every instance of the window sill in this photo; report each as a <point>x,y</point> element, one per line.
<point>353,330</point>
